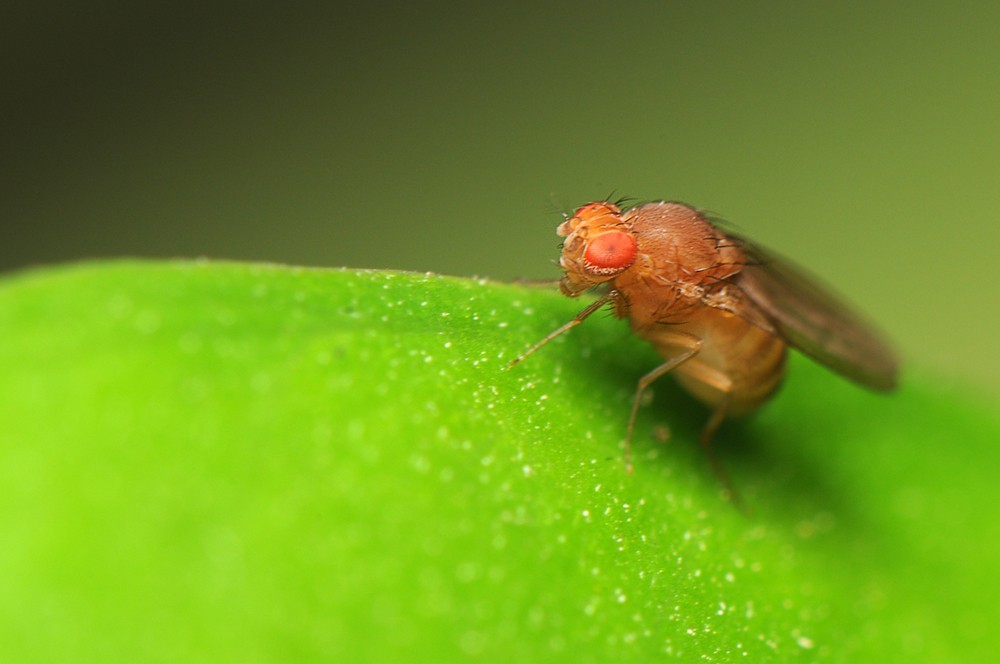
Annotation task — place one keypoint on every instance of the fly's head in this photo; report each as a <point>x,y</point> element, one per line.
<point>599,246</point>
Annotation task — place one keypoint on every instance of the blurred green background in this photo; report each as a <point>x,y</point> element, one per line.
<point>861,140</point>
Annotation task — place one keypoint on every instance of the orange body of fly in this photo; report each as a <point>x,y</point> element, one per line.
<point>721,310</point>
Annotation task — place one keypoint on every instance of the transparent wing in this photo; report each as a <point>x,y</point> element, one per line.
<point>811,318</point>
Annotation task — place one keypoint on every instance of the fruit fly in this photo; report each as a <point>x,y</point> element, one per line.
<point>720,309</point>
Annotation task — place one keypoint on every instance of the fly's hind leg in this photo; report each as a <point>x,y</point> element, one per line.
<point>714,420</point>
<point>724,385</point>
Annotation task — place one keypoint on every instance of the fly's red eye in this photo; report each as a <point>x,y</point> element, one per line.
<point>610,253</point>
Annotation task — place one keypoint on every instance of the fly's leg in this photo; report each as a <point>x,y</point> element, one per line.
<point>721,382</point>
<point>689,347</point>
<point>536,283</point>
<point>714,420</point>
<point>579,318</point>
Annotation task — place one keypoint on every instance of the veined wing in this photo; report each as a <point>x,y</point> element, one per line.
<point>812,319</point>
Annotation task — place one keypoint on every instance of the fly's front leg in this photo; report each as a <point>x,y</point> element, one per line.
<point>579,318</point>
<point>688,346</point>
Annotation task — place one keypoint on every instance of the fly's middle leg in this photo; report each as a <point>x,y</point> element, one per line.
<point>687,347</point>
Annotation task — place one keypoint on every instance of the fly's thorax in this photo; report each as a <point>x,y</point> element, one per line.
<point>655,254</point>
<point>686,249</point>
<point>682,262</point>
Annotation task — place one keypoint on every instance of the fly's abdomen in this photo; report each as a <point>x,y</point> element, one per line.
<point>737,362</point>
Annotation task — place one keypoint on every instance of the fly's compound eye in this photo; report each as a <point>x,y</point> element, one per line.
<point>610,253</point>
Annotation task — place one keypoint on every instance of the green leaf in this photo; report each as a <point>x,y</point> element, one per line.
<point>226,462</point>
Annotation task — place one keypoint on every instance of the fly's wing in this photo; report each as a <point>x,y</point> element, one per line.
<point>812,319</point>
